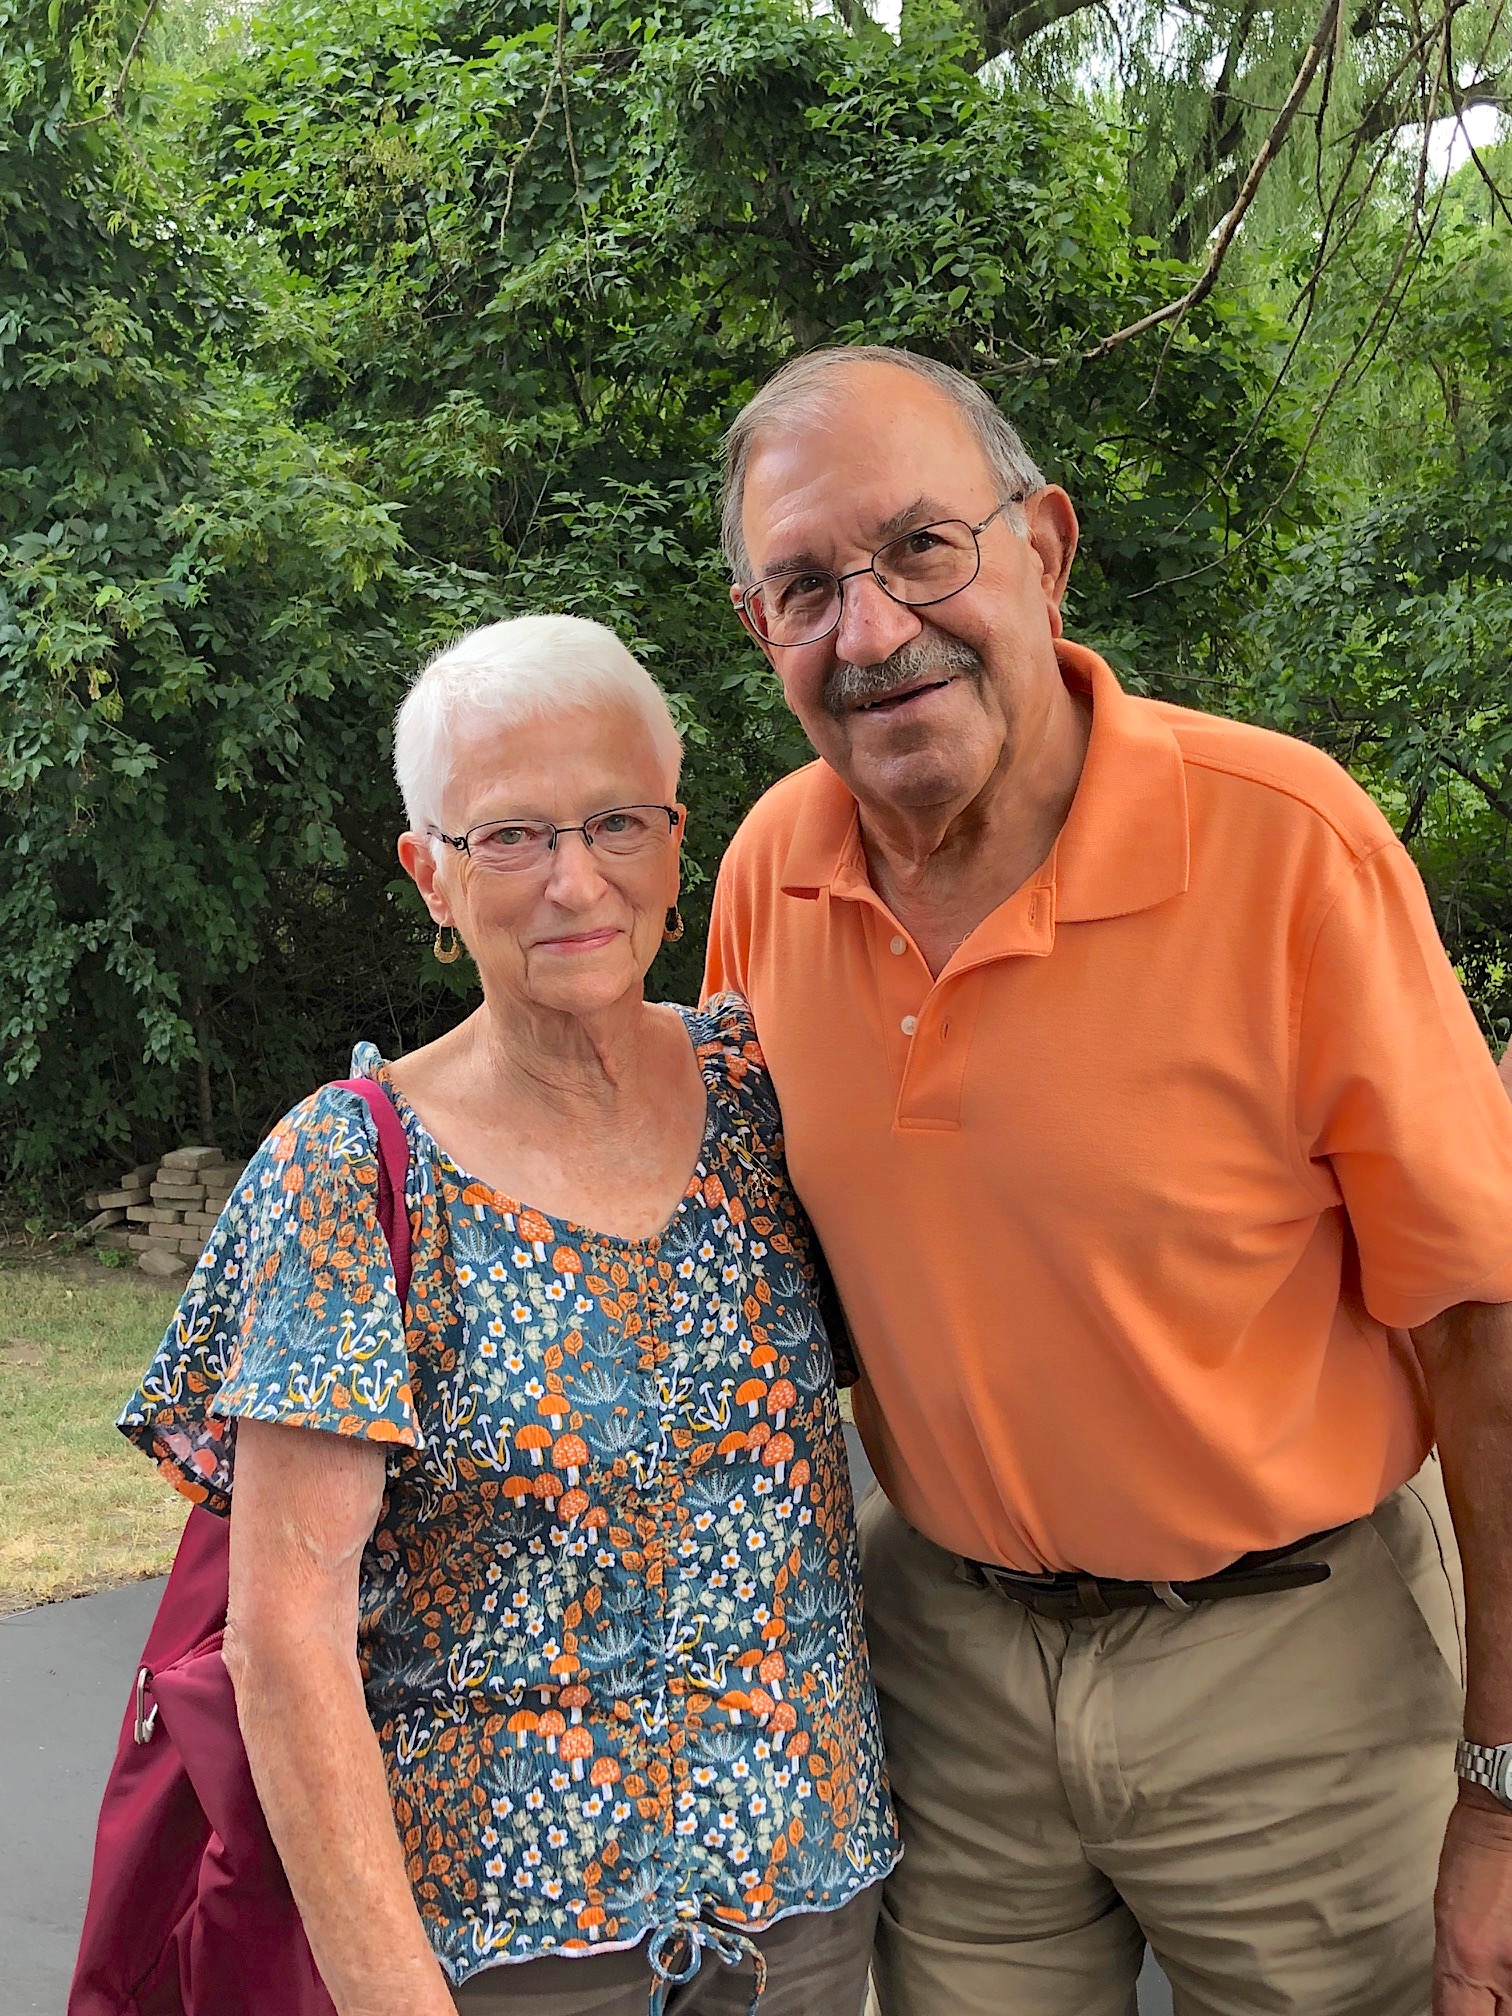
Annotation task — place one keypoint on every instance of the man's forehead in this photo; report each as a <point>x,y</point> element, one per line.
<point>882,450</point>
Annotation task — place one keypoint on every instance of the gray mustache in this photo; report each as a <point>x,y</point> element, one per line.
<point>918,660</point>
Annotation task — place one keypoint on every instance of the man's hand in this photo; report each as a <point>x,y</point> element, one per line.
<point>1472,1971</point>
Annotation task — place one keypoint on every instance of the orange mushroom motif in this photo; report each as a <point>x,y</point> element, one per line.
<point>572,1506</point>
<point>783,1395</point>
<point>534,1439</point>
<point>734,1445</point>
<point>537,1230</point>
<point>522,1724</point>
<point>591,1920</point>
<point>554,1408</point>
<point>575,1747</point>
<point>605,1772</point>
<point>735,1705</point>
<point>548,1487</point>
<point>763,1357</point>
<point>595,1519</point>
<point>574,1699</point>
<point>751,1394</point>
<point>783,1720</point>
<point>798,1477</point>
<point>515,1488</point>
<point>773,1670</point>
<point>549,1727</point>
<point>778,1453</point>
<point>571,1454</point>
<point>568,1264</point>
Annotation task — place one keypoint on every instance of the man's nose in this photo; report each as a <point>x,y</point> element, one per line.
<point>872,625</point>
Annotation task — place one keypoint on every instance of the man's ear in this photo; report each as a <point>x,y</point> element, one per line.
<point>1053,533</point>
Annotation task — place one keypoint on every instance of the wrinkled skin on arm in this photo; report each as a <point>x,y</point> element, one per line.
<point>1467,1355</point>
<point>304,1506</point>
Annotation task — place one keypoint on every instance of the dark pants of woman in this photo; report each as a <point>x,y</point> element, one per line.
<point>816,1966</point>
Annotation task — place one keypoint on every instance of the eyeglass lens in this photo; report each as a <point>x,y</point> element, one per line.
<point>525,843</point>
<point>922,566</point>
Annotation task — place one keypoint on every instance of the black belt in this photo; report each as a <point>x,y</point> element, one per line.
<point>1063,1597</point>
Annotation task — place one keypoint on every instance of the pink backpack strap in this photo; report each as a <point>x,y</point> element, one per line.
<point>393,1175</point>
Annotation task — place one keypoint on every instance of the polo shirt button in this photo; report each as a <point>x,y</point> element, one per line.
<point>898,945</point>
<point>909,1024</point>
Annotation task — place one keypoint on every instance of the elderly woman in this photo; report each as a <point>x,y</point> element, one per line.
<point>544,1620</point>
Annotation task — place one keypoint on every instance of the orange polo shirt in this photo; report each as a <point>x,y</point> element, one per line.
<point>1131,1207</point>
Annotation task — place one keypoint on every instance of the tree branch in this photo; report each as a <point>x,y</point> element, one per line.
<point>1203,285</point>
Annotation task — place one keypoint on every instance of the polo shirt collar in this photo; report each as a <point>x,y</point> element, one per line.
<point>1125,844</point>
<point>1123,848</point>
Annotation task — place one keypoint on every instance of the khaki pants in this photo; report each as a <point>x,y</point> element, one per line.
<point>816,1966</point>
<point>1258,1786</point>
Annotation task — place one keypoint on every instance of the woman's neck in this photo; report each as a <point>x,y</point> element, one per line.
<point>570,1067</point>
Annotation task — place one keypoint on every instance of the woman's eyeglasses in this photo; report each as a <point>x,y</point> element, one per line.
<point>512,844</point>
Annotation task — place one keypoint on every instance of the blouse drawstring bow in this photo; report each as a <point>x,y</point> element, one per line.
<point>729,1947</point>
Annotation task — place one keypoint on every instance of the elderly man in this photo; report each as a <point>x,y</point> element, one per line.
<point>1168,1187</point>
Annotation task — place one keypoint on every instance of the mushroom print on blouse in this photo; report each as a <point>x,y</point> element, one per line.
<point>610,1616</point>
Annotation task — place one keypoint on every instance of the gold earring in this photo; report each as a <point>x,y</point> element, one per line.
<point>674,927</point>
<point>447,955</point>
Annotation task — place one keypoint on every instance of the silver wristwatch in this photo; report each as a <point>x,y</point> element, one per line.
<point>1487,1765</point>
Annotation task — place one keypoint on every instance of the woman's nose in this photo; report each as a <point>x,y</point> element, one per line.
<point>574,876</point>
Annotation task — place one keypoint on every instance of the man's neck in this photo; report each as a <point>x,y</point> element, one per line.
<point>941,871</point>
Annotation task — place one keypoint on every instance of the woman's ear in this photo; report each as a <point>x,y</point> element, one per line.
<point>417,857</point>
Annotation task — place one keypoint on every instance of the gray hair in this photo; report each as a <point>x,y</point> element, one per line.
<point>800,390</point>
<point>531,668</point>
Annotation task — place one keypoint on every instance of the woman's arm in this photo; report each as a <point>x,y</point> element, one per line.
<point>303,1508</point>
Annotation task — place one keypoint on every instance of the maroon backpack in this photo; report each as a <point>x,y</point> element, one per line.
<point>190,1913</point>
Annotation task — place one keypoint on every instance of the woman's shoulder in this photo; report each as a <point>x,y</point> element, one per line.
<point>723,1030</point>
<point>331,1124</point>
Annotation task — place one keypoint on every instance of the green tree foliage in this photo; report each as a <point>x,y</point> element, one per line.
<point>202,615</point>
<point>1387,637</point>
<point>453,331</point>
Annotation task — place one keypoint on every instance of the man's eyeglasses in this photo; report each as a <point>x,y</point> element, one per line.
<point>509,845</point>
<point>802,605</point>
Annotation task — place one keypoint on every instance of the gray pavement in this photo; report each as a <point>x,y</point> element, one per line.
<point>65,1671</point>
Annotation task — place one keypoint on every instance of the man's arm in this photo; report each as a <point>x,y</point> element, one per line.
<point>305,1503</point>
<point>1467,1357</point>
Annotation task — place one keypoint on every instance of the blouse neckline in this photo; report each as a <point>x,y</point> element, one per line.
<point>568,1229</point>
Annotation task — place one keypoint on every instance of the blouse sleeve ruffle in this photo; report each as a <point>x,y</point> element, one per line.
<point>292,1314</point>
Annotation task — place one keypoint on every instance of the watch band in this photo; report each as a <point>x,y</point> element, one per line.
<point>1487,1765</point>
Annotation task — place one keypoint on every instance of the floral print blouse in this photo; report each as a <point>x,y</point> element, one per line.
<point>610,1614</point>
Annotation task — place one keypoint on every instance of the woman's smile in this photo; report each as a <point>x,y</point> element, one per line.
<point>579,941</point>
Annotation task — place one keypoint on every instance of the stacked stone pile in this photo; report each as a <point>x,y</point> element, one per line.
<point>165,1211</point>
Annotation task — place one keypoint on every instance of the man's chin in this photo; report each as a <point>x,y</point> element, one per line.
<point>911,780</point>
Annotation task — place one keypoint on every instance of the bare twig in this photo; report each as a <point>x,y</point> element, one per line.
<point>577,173</point>
<point>118,89</point>
<point>520,159</point>
<point>1207,279</point>
<point>1379,326</point>
<point>1497,800</point>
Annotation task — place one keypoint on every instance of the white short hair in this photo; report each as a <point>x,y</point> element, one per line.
<point>531,668</point>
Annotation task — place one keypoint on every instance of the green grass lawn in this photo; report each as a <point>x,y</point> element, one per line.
<point>79,1508</point>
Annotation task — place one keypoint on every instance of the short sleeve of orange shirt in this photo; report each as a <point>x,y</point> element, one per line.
<point>1132,1205</point>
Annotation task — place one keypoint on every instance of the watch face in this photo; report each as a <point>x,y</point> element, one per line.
<point>1503,1785</point>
